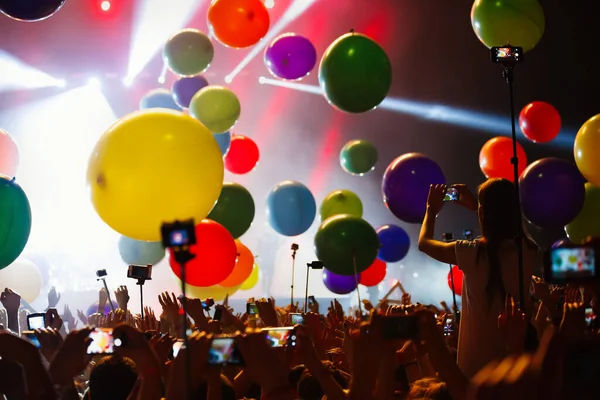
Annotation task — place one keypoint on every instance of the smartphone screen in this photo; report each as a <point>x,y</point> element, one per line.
<point>451,194</point>
<point>30,335</point>
<point>36,321</point>
<point>223,351</point>
<point>573,263</point>
<point>251,309</point>
<point>102,341</point>
<point>448,327</point>
<point>297,319</point>
<point>589,316</point>
<point>177,346</point>
<point>280,337</point>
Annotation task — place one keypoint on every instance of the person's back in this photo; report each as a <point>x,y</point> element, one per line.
<point>479,339</point>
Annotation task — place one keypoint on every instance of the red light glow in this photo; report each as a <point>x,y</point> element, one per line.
<point>105,6</point>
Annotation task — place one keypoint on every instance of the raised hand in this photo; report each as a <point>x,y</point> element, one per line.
<point>466,198</point>
<point>10,300</point>
<point>267,313</point>
<point>53,298</point>
<point>406,299</point>
<point>196,311</point>
<point>149,322</point>
<point>53,319</point>
<point>71,358</point>
<point>513,326</point>
<point>102,300</point>
<point>435,199</point>
<point>82,317</point>
<point>122,296</point>
<point>573,323</point>
<point>69,318</point>
<point>50,341</point>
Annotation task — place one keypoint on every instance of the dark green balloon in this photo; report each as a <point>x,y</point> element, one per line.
<point>15,221</point>
<point>358,157</point>
<point>234,209</point>
<point>342,237</point>
<point>188,52</point>
<point>355,73</point>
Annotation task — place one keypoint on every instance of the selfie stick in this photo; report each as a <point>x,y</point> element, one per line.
<point>356,278</point>
<point>507,74</point>
<point>306,292</point>
<point>141,282</point>
<point>107,294</point>
<point>294,250</point>
<point>183,256</point>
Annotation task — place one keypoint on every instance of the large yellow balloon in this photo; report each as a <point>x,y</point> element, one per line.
<point>217,292</point>
<point>252,280</point>
<point>154,166</point>
<point>587,150</point>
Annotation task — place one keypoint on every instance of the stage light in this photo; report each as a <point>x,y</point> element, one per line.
<point>16,75</point>
<point>127,82</point>
<point>295,10</point>
<point>154,22</point>
<point>61,83</point>
<point>94,82</point>
<point>486,122</point>
<point>105,6</point>
<point>228,79</point>
<point>269,3</point>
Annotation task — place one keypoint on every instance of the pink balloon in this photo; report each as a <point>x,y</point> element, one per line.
<point>9,155</point>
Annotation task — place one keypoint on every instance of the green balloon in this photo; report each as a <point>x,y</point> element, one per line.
<point>358,157</point>
<point>15,221</point>
<point>234,209</point>
<point>216,107</point>
<point>355,73</point>
<point>587,223</point>
<point>343,238</point>
<point>518,22</point>
<point>341,202</point>
<point>188,52</point>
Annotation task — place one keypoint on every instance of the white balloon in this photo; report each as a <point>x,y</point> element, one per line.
<point>23,277</point>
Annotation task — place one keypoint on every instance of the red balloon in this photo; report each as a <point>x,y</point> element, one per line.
<point>373,275</point>
<point>242,156</point>
<point>457,274</point>
<point>238,23</point>
<point>215,254</point>
<point>495,156</point>
<point>539,121</point>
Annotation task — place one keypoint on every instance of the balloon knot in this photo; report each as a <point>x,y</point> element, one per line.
<point>13,179</point>
<point>100,180</point>
<point>352,30</point>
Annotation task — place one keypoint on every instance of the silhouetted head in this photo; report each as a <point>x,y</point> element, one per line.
<point>497,209</point>
<point>112,378</point>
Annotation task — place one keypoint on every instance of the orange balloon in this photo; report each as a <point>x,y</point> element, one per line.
<point>238,23</point>
<point>243,267</point>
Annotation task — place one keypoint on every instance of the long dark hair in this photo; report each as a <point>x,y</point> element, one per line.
<point>498,218</point>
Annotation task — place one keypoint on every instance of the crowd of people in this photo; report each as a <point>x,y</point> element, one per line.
<point>498,346</point>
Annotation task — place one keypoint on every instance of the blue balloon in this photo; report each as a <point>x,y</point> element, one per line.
<point>137,252</point>
<point>395,243</point>
<point>291,208</point>
<point>224,141</point>
<point>159,98</point>
<point>93,309</point>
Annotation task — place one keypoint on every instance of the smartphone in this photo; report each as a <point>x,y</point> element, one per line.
<point>507,55</point>
<point>251,308</point>
<point>451,194</point>
<point>399,327</point>
<point>30,335</point>
<point>103,341</point>
<point>217,314</point>
<point>311,301</point>
<point>589,316</point>
<point>224,351</point>
<point>296,318</point>
<point>36,321</point>
<point>281,337</point>
<point>448,327</point>
<point>572,264</point>
<point>177,346</point>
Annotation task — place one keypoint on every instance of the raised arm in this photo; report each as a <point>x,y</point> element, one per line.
<point>441,251</point>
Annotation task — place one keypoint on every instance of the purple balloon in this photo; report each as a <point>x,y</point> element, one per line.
<point>552,192</point>
<point>340,284</point>
<point>405,185</point>
<point>93,309</point>
<point>290,56</point>
<point>186,87</point>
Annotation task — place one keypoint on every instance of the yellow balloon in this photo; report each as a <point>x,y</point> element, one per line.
<point>23,277</point>
<point>217,292</point>
<point>252,280</point>
<point>587,150</point>
<point>154,166</point>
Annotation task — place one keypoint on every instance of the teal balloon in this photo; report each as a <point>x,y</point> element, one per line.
<point>343,239</point>
<point>159,98</point>
<point>358,157</point>
<point>15,221</point>
<point>234,209</point>
<point>137,252</point>
<point>224,141</point>
<point>355,73</point>
<point>518,22</point>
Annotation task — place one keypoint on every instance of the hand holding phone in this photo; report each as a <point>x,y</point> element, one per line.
<point>103,341</point>
<point>281,337</point>
<point>36,321</point>
<point>223,351</point>
<point>452,194</point>
<point>296,319</point>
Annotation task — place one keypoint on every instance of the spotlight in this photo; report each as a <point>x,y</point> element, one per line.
<point>161,79</point>
<point>228,79</point>
<point>269,3</point>
<point>261,80</point>
<point>105,6</point>
<point>61,83</point>
<point>95,82</point>
<point>128,81</point>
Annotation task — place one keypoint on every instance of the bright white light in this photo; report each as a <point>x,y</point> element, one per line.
<point>61,83</point>
<point>228,79</point>
<point>94,82</point>
<point>154,22</point>
<point>105,5</point>
<point>415,275</point>
<point>163,74</point>
<point>295,10</point>
<point>261,80</point>
<point>16,75</point>
<point>269,3</point>
<point>161,79</point>
<point>127,81</point>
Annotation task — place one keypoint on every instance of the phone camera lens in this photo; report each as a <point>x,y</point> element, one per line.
<point>118,342</point>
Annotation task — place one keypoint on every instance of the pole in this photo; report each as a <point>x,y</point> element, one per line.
<point>507,74</point>
<point>182,257</point>
<point>306,292</point>
<point>356,279</point>
<point>294,249</point>
<point>108,295</point>
<point>141,283</point>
